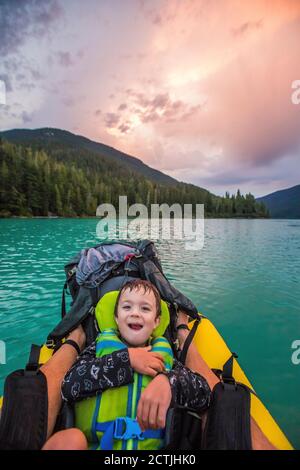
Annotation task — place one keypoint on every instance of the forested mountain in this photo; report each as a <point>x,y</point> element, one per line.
<point>55,140</point>
<point>58,178</point>
<point>284,204</point>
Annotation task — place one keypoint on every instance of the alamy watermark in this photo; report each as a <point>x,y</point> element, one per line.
<point>296,354</point>
<point>2,92</point>
<point>295,97</point>
<point>162,222</point>
<point>2,352</point>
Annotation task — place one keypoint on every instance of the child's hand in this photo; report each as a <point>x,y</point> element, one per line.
<point>154,404</point>
<point>144,361</point>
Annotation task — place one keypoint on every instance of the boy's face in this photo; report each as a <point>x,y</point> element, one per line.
<point>137,316</point>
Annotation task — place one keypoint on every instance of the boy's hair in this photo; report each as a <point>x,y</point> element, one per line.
<point>138,284</point>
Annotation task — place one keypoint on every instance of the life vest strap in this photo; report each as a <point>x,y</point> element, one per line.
<point>124,428</point>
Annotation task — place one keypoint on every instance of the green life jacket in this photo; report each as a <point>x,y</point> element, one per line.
<point>113,412</point>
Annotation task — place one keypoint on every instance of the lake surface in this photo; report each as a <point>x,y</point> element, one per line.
<point>245,279</point>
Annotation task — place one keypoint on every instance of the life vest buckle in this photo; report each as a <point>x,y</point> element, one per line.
<point>127,428</point>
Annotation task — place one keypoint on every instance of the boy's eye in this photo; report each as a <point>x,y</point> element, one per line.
<point>146,308</point>
<point>126,307</point>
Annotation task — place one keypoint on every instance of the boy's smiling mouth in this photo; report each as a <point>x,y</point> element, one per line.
<point>135,326</point>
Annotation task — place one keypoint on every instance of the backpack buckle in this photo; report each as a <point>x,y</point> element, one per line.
<point>228,382</point>
<point>127,428</point>
<point>72,271</point>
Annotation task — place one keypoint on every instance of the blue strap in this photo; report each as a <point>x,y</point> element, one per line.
<point>154,434</point>
<point>108,436</point>
<point>115,430</point>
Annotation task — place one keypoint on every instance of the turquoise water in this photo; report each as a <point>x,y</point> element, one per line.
<point>245,279</point>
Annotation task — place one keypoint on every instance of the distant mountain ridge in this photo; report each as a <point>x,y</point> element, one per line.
<point>283,204</point>
<point>52,136</point>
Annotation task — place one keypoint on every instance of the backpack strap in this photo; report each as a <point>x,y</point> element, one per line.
<point>32,365</point>
<point>227,373</point>
<point>63,300</point>
<point>188,341</point>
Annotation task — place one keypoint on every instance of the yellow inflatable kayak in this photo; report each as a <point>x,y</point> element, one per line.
<point>215,352</point>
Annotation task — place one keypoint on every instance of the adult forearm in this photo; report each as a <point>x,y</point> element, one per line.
<point>55,370</point>
<point>195,362</point>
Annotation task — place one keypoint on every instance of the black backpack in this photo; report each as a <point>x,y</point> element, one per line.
<point>118,262</point>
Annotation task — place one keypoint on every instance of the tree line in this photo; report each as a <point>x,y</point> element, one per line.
<point>70,182</point>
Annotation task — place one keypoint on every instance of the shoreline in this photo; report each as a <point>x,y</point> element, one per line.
<point>96,217</point>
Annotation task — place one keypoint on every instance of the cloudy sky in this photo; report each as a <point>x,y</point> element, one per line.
<point>199,89</point>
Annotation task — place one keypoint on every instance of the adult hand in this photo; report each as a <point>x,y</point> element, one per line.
<point>154,404</point>
<point>144,361</point>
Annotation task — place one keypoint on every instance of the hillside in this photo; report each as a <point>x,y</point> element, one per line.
<point>284,204</point>
<point>56,139</point>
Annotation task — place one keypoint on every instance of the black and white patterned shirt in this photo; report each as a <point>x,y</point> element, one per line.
<point>91,375</point>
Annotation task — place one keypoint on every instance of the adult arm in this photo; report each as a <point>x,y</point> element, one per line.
<point>55,369</point>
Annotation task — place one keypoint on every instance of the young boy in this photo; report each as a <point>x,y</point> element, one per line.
<point>108,420</point>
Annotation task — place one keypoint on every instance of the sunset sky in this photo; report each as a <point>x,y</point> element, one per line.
<point>200,90</point>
